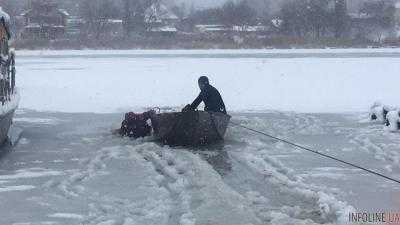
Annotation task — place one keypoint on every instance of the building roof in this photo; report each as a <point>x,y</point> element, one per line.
<point>60,11</point>
<point>64,12</point>
<point>360,16</point>
<point>164,29</point>
<point>158,13</point>
<point>211,27</point>
<point>250,28</point>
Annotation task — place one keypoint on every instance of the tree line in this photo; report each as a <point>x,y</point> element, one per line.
<point>308,19</point>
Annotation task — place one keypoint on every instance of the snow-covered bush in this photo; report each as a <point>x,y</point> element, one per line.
<point>393,120</point>
<point>379,112</point>
<point>376,112</point>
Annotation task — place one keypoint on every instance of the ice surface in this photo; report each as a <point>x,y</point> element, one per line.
<point>88,176</point>
<point>290,80</point>
<point>69,169</point>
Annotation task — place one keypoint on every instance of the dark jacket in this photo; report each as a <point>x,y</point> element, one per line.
<point>212,100</point>
<point>135,125</point>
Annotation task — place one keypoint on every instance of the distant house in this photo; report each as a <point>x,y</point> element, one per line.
<point>224,29</point>
<point>160,19</point>
<point>212,28</point>
<point>365,26</point>
<point>74,26</point>
<point>44,20</point>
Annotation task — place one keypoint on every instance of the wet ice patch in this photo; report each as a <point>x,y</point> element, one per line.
<point>108,222</point>
<point>41,121</point>
<point>59,68</point>
<point>66,216</point>
<point>30,173</point>
<point>90,140</point>
<point>20,112</point>
<point>57,161</point>
<point>16,188</point>
<point>330,175</point>
<point>24,141</point>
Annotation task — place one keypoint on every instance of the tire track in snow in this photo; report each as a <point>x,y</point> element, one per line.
<point>70,187</point>
<point>167,164</point>
<point>108,207</point>
<point>199,193</point>
<point>282,194</point>
<point>279,196</point>
<point>379,143</point>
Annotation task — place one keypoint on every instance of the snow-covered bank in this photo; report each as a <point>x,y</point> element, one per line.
<point>109,82</point>
<point>60,53</point>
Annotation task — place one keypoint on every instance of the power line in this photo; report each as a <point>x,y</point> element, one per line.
<point>316,152</point>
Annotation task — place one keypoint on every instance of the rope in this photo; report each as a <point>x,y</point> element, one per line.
<point>317,152</point>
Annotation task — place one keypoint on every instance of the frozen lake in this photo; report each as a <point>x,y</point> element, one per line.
<point>114,81</point>
<point>68,169</point>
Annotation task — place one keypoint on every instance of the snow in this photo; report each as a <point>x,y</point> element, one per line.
<point>10,105</point>
<point>394,120</point>
<point>287,80</point>
<point>378,112</point>
<point>68,167</point>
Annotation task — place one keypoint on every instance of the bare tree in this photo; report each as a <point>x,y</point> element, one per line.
<point>307,18</point>
<point>179,10</point>
<point>380,16</point>
<point>238,14</point>
<point>134,18</point>
<point>293,13</point>
<point>341,18</point>
<point>97,14</point>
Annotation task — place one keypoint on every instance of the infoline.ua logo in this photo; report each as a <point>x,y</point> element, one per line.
<point>377,217</point>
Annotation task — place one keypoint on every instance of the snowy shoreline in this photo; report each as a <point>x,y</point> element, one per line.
<point>217,53</point>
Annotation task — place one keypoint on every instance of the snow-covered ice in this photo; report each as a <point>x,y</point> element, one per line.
<point>114,81</point>
<point>69,169</point>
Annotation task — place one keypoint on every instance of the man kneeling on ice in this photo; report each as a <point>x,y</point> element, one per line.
<point>210,96</point>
